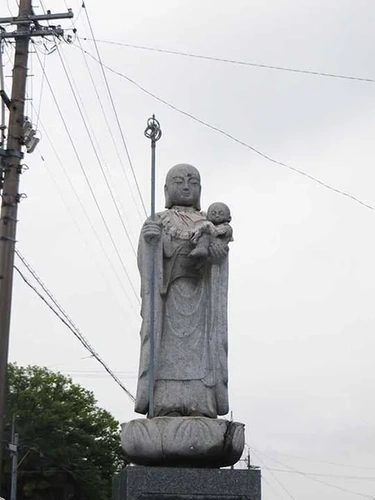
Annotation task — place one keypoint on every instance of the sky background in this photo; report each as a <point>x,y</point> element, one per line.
<point>301,298</point>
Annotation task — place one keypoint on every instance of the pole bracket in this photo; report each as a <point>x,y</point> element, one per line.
<point>17,198</point>
<point>8,218</point>
<point>5,238</point>
<point>12,153</point>
<point>6,99</point>
<point>20,196</point>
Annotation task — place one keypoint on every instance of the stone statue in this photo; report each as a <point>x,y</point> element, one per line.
<point>190,250</point>
<point>216,224</point>
<point>191,305</point>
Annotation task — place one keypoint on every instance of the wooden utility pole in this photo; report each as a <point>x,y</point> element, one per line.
<point>13,447</point>
<point>27,25</point>
<point>10,199</point>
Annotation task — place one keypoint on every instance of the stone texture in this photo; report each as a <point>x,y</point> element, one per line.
<point>190,318</point>
<point>183,441</point>
<point>183,263</point>
<point>159,483</point>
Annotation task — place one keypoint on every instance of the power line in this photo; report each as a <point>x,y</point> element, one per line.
<point>95,372</point>
<point>90,136</point>
<point>74,473</point>
<point>30,87</point>
<point>233,138</point>
<point>79,12</point>
<point>41,91</point>
<point>336,476</point>
<point>312,478</point>
<point>45,134</point>
<point>105,277</point>
<point>99,99</point>
<point>237,62</point>
<point>64,318</point>
<point>89,184</point>
<point>109,129</point>
<point>272,487</point>
<point>101,168</point>
<point>58,157</point>
<point>98,377</point>
<point>276,478</point>
<point>71,184</point>
<point>99,60</point>
<point>326,462</point>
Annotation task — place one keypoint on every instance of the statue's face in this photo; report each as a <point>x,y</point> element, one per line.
<point>183,186</point>
<point>218,213</point>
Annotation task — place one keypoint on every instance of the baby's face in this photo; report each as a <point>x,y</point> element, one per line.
<point>218,213</point>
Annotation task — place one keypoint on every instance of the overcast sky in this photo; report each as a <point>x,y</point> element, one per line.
<point>301,300</point>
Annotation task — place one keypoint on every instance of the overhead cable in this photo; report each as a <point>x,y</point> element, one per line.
<point>104,113</point>
<point>71,213</point>
<point>242,63</point>
<point>313,478</point>
<point>99,60</point>
<point>75,93</point>
<point>41,92</point>
<point>89,186</point>
<point>64,318</point>
<point>272,487</point>
<point>349,466</point>
<point>233,138</point>
<point>94,230</point>
<point>335,476</point>
<point>114,142</point>
<point>276,479</point>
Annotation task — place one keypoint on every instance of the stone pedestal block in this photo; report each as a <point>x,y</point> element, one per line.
<point>164,483</point>
<point>183,441</point>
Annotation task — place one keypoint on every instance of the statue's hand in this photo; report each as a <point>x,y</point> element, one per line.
<point>218,250</point>
<point>151,231</point>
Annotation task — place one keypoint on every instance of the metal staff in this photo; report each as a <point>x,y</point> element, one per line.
<point>153,132</point>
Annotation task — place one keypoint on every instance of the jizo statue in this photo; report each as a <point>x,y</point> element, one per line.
<point>190,252</point>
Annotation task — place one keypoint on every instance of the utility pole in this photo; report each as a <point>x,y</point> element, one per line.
<point>28,25</point>
<point>13,447</point>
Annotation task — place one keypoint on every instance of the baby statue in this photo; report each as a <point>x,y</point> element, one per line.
<point>216,226</point>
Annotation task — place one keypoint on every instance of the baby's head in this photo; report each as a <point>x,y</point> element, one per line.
<point>218,213</point>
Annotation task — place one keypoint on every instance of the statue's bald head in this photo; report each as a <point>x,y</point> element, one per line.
<point>183,186</point>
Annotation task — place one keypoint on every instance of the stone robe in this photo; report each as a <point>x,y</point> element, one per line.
<point>191,374</point>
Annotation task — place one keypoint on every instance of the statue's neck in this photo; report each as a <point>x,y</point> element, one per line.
<point>179,221</point>
<point>182,208</point>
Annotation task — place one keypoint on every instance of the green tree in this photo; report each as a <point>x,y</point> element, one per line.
<point>69,447</point>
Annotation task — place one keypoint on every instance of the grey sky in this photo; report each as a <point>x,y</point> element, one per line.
<point>302,275</point>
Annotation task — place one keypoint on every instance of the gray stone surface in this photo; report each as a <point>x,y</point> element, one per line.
<point>183,441</point>
<point>159,483</point>
<point>189,252</point>
<point>191,376</point>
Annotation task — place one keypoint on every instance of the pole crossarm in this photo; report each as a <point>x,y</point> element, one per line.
<point>45,31</point>
<point>31,25</point>
<point>32,18</point>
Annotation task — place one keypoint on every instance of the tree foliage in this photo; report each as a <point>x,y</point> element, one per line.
<point>69,447</point>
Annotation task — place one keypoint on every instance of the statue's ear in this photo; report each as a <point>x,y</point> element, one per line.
<point>198,205</point>
<point>167,197</point>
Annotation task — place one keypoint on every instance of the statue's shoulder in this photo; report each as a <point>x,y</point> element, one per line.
<point>161,215</point>
<point>156,218</point>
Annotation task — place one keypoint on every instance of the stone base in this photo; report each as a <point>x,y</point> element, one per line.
<point>160,483</point>
<point>183,441</point>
